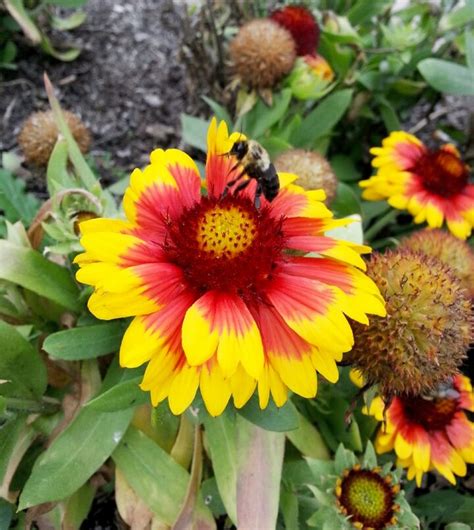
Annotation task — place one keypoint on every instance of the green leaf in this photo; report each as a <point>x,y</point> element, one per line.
<point>322,119</point>
<point>259,462</point>
<point>57,175</point>
<point>122,396</point>
<point>66,3</point>
<point>78,506</point>
<point>272,418</point>
<point>9,434</point>
<point>14,201</point>
<point>194,131</point>
<point>6,514</point>
<point>389,116</point>
<point>370,458</point>
<point>458,17</point>
<point>85,342</point>
<point>259,120</point>
<point>469,40</point>
<point>308,440</point>
<point>66,56</point>
<point>222,440</point>
<point>154,475</point>
<point>458,526</point>
<point>443,506</point>
<point>28,268</point>
<point>362,11</point>
<point>17,10</point>
<point>219,111</point>
<point>274,145</point>
<point>71,22</point>
<point>346,201</point>
<point>448,77</point>
<point>344,168</point>
<point>77,452</point>
<point>8,52</point>
<point>20,365</point>
<point>289,509</point>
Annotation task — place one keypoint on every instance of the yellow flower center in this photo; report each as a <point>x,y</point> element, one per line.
<point>226,232</point>
<point>368,496</point>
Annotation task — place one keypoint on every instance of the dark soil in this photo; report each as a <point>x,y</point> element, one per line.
<point>128,85</point>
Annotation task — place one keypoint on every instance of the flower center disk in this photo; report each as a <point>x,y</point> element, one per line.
<point>435,414</point>
<point>367,498</point>
<point>442,172</point>
<point>226,232</point>
<point>226,244</point>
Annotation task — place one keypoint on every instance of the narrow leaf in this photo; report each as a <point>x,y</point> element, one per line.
<point>194,131</point>
<point>18,12</point>
<point>154,475</point>
<point>31,270</point>
<point>20,365</point>
<point>122,396</point>
<point>259,120</point>
<point>222,440</point>
<point>14,201</point>
<point>260,460</point>
<point>276,419</point>
<point>85,342</point>
<point>308,440</point>
<point>448,77</point>
<point>322,119</point>
<point>77,452</point>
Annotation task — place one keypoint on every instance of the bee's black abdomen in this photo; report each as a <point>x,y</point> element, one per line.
<point>270,183</point>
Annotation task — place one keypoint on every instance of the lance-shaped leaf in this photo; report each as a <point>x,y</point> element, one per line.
<point>156,478</point>
<point>77,452</point>
<point>222,442</point>
<point>31,270</point>
<point>21,368</point>
<point>259,461</point>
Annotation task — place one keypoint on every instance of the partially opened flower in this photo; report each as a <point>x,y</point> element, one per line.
<point>311,77</point>
<point>300,22</point>
<point>218,302</point>
<point>430,432</point>
<point>360,495</point>
<point>454,253</point>
<point>432,185</point>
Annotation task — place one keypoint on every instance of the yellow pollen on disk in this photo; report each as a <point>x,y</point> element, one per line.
<point>226,232</point>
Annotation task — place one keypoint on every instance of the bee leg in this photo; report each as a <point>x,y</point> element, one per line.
<point>258,193</point>
<point>241,186</point>
<point>230,184</point>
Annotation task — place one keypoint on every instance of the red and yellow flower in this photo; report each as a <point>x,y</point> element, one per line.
<point>432,185</point>
<point>429,432</point>
<point>219,303</point>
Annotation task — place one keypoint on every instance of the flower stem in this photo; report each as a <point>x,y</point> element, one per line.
<point>381,223</point>
<point>45,406</point>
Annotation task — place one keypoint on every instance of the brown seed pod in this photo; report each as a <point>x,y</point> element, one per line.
<point>262,53</point>
<point>313,170</point>
<point>39,134</point>
<point>454,252</point>
<point>426,333</point>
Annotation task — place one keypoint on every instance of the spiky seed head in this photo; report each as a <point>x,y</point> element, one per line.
<point>313,170</point>
<point>262,53</point>
<point>454,252</point>
<point>426,333</point>
<point>39,134</point>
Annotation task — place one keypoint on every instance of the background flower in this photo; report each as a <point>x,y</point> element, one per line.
<point>432,185</point>
<point>430,432</point>
<point>218,303</point>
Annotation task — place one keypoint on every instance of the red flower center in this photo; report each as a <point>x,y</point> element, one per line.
<point>433,414</point>
<point>304,29</point>
<point>367,498</point>
<point>226,244</point>
<point>442,172</point>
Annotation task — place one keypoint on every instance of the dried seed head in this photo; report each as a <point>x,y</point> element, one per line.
<point>39,134</point>
<point>454,252</point>
<point>262,53</point>
<point>428,327</point>
<point>313,170</point>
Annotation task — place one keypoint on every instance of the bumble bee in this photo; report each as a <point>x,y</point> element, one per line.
<point>255,163</point>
